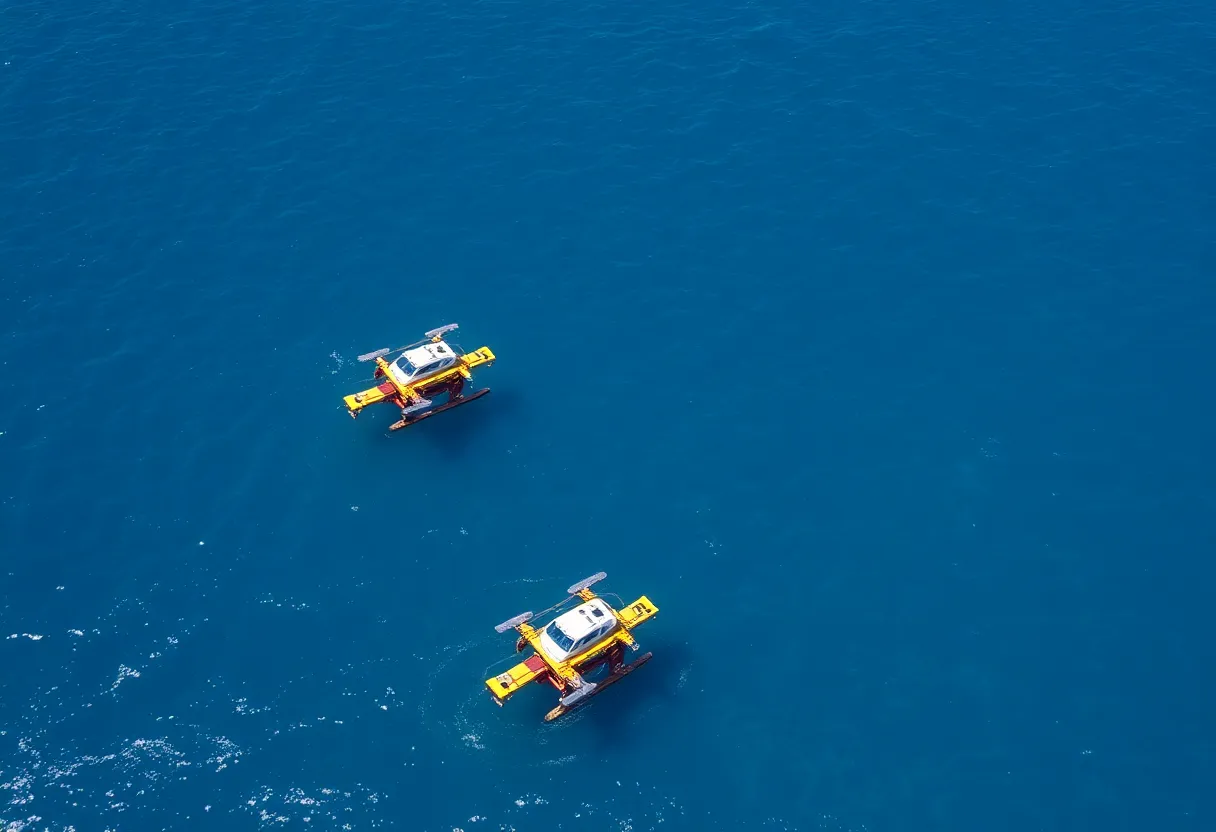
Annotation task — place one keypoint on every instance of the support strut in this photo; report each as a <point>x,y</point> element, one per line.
<point>618,670</point>
<point>413,419</point>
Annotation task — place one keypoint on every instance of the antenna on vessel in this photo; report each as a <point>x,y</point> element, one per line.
<point>586,582</point>
<point>582,689</point>
<point>522,618</point>
<point>372,356</point>
<point>438,332</point>
<point>433,334</point>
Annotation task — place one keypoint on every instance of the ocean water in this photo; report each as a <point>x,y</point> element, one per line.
<point>872,341</point>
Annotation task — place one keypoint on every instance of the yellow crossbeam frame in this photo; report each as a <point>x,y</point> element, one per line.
<point>507,684</point>
<point>409,392</point>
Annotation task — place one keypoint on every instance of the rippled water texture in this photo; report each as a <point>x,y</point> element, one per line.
<point>870,340</point>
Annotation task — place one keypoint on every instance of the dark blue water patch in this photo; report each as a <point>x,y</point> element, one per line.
<point>869,345</point>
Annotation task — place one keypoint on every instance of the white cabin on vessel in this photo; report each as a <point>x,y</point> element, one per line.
<point>575,631</point>
<point>422,362</point>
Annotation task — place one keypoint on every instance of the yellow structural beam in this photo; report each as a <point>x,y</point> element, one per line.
<point>504,685</point>
<point>391,387</point>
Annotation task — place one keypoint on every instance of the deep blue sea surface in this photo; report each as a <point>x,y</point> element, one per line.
<point>873,341</point>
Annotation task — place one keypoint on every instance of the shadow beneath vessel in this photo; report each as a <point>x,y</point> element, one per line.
<point>654,687</point>
<point>454,432</point>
